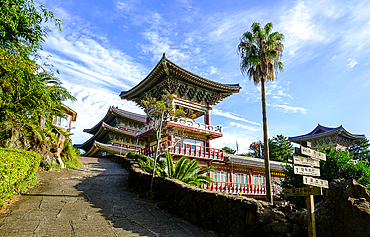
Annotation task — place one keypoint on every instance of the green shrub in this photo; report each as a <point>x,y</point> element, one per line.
<point>69,155</point>
<point>136,157</point>
<point>17,171</point>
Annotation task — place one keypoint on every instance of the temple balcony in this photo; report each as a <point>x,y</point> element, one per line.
<point>242,188</point>
<point>185,149</point>
<point>186,124</point>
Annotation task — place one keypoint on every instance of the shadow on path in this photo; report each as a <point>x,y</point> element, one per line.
<point>106,189</point>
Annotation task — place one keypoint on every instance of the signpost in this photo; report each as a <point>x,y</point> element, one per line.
<point>299,160</point>
<point>303,191</point>
<point>315,182</point>
<point>309,159</point>
<point>302,170</point>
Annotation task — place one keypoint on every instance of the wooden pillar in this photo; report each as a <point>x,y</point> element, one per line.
<point>147,121</point>
<point>207,118</point>
<point>311,216</point>
<point>170,142</point>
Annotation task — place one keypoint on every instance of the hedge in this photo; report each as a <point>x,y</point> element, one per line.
<point>17,171</point>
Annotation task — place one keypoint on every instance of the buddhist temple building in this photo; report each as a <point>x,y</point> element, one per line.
<point>120,131</point>
<point>114,134</point>
<point>322,136</point>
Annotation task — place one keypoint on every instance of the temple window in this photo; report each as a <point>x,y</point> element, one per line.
<point>220,176</point>
<point>61,122</point>
<point>241,178</point>
<point>258,179</point>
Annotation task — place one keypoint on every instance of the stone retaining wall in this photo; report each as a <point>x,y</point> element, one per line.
<point>220,212</point>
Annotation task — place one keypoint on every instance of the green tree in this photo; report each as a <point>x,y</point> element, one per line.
<point>160,110</point>
<point>260,51</point>
<point>360,150</point>
<point>228,150</point>
<point>21,24</point>
<point>30,93</point>
<point>338,165</point>
<point>280,148</point>
<point>256,149</point>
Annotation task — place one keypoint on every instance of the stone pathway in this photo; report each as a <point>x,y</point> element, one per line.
<point>92,200</point>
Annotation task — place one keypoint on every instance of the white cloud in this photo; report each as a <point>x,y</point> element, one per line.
<point>290,109</point>
<point>238,125</point>
<point>232,116</point>
<point>83,59</point>
<point>91,106</point>
<point>352,63</point>
<point>230,140</point>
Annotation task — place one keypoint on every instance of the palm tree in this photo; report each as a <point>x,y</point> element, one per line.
<point>260,51</point>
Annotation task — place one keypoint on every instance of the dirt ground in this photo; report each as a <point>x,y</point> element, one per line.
<point>92,200</point>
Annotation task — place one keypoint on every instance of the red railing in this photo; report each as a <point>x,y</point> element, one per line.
<point>185,149</point>
<point>240,188</point>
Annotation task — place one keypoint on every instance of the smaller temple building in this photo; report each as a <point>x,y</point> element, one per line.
<point>322,136</point>
<point>114,134</point>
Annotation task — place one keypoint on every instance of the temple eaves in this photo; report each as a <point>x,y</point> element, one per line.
<point>176,80</point>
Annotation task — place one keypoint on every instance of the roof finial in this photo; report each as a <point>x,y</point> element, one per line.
<point>164,55</point>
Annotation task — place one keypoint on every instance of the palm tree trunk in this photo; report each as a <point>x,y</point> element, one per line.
<point>266,145</point>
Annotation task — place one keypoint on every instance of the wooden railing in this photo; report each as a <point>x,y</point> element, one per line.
<point>240,188</point>
<point>185,149</point>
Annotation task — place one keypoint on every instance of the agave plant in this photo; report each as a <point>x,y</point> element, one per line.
<point>188,171</point>
<point>147,163</point>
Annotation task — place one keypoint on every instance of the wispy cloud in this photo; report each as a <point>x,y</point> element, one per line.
<point>290,109</point>
<point>232,116</point>
<point>230,140</point>
<point>86,60</point>
<point>239,125</point>
<point>352,62</point>
<point>91,106</point>
<point>126,6</point>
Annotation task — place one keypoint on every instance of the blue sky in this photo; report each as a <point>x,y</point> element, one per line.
<point>109,46</point>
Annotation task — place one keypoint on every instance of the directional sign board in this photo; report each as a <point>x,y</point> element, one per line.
<point>302,191</point>
<point>299,160</point>
<point>315,182</point>
<point>311,153</point>
<point>306,170</point>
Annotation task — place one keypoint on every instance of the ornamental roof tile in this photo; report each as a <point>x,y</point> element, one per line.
<point>101,135</point>
<point>253,162</point>
<point>165,67</point>
<point>98,146</point>
<point>111,114</point>
<point>322,131</point>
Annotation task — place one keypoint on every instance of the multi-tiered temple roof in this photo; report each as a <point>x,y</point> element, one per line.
<point>114,133</point>
<point>323,136</point>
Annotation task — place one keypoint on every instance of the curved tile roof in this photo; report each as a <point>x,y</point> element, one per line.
<point>100,135</point>
<point>322,131</point>
<point>254,162</point>
<point>112,112</point>
<point>97,146</point>
<point>166,67</point>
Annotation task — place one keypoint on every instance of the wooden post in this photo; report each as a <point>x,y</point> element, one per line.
<point>311,216</point>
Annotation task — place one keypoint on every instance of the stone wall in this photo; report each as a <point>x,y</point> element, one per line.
<point>223,213</point>
<point>345,211</point>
